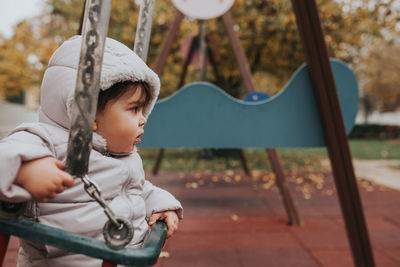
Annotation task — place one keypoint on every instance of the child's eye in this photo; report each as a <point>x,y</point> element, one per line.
<point>135,109</point>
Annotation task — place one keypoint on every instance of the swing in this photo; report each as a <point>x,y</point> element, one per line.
<point>118,231</point>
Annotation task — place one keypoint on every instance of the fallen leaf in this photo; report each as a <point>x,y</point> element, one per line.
<point>238,177</point>
<point>164,254</point>
<point>234,217</point>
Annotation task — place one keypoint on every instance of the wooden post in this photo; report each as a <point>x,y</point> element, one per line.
<point>203,50</point>
<point>290,207</point>
<point>249,85</point>
<point>211,57</point>
<point>188,59</point>
<point>239,53</point>
<point>160,63</point>
<point>167,43</point>
<point>159,158</point>
<point>244,162</point>
<point>319,66</point>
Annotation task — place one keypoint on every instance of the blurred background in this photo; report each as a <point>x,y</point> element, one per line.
<point>362,33</point>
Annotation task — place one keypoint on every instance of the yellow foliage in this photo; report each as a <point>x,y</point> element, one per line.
<point>267,32</point>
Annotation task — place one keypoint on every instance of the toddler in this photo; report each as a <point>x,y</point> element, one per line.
<point>32,157</point>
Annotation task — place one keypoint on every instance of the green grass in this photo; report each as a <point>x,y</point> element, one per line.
<point>291,159</point>
<point>375,149</point>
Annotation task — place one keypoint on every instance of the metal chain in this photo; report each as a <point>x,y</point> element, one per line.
<point>94,191</point>
<point>95,27</point>
<point>143,31</point>
<point>117,231</point>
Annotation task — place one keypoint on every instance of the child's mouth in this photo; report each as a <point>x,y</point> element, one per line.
<point>138,139</point>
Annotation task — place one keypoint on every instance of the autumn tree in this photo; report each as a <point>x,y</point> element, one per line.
<point>15,74</point>
<point>266,28</point>
<point>24,58</point>
<point>376,61</point>
<point>381,80</point>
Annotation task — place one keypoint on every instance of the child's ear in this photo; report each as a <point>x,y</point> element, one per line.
<point>94,126</point>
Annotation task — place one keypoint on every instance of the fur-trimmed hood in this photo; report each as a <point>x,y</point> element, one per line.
<point>119,64</point>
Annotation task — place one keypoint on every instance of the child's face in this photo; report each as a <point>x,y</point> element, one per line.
<point>121,122</point>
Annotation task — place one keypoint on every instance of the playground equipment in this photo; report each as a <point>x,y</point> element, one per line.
<point>326,100</point>
<point>202,12</point>
<point>332,134</point>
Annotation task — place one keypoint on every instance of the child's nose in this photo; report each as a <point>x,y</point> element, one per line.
<point>142,121</point>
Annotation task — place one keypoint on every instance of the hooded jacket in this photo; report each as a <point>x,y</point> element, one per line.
<point>121,179</point>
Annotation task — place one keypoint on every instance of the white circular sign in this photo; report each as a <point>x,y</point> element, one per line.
<point>203,9</point>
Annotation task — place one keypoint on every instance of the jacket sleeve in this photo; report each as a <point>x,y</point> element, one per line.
<point>18,147</point>
<point>158,200</point>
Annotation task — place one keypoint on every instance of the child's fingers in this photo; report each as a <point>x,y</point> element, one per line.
<point>171,230</point>
<point>42,200</point>
<point>154,218</point>
<point>52,195</point>
<point>59,164</point>
<point>172,224</point>
<point>170,218</point>
<point>41,197</point>
<point>60,188</point>
<point>62,181</point>
<point>67,179</point>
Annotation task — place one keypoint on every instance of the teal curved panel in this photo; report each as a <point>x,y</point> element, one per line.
<point>200,115</point>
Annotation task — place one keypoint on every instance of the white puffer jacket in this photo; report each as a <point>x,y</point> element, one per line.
<point>121,179</point>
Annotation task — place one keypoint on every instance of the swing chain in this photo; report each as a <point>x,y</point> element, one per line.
<point>117,231</point>
<point>94,191</point>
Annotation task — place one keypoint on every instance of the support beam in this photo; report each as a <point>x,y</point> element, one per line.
<point>335,136</point>
<point>211,57</point>
<point>288,202</point>
<point>239,53</point>
<point>160,63</point>
<point>189,56</point>
<point>159,158</point>
<point>250,87</point>
<point>167,43</point>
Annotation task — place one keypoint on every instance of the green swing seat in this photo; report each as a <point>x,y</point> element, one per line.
<point>33,231</point>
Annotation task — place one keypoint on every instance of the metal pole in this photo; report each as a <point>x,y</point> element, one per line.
<point>311,34</point>
<point>95,27</point>
<point>143,31</point>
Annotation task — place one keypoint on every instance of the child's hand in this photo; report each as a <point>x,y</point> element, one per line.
<point>43,178</point>
<point>171,219</point>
